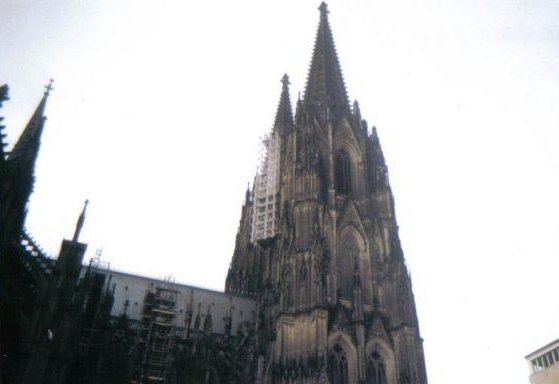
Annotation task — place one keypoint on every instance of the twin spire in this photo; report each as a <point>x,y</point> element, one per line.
<point>25,151</point>
<point>325,88</point>
<point>284,114</point>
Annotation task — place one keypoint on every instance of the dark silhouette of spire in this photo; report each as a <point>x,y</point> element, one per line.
<point>3,97</point>
<point>357,112</point>
<point>19,166</point>
<point>27,147</point>
<point>79,224</point>
<point>284,114</point>
<point>325,83</point>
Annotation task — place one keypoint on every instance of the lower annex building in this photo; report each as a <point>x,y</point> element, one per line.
<point>544,364</point>
<point>317,290</point>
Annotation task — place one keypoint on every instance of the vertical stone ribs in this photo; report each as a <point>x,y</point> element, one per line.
<point>332,289</point>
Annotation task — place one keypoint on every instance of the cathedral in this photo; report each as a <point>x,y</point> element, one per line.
<point>317,289</point>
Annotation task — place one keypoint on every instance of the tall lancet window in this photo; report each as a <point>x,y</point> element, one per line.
<point>342,172</point>
<point>337,366</point>
<point>348,256</point>
<point>376,372</point>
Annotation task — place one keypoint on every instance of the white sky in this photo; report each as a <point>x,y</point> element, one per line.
<point>159,105</point>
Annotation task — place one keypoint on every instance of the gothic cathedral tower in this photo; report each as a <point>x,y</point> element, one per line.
<point>318,245</point>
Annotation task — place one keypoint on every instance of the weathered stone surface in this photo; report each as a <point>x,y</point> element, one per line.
<point>319,294</point>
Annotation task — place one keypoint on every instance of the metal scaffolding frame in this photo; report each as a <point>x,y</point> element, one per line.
<point>156,335</point>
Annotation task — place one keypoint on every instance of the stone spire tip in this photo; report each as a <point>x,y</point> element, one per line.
<point>81,220</point>
<point>323,8</point>
<point>49,87</point>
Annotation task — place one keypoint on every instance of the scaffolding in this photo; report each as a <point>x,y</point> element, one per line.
<point>156,335</point>
<point>266,189</point>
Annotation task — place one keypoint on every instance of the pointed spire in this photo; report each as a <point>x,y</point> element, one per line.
<point>298,108</point>
<point>356,111</point>
<point>248,195</point>
<point>27,147</point>
<point>17,170</point>
<point>377,149</point>
<point>374,134</point>
<point>379,176</point>
<point>79,224</point>
<point>325,83</point>
<point>3,97</point>
<point>284,114</point>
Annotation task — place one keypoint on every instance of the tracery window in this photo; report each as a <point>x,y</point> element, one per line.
<point>376,371</point>
<point>348,255</point>
<point>342,173</point>
<point>337,366</point>
<point>348,260</point>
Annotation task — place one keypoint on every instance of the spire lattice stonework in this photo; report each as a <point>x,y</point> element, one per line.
<point>284,114</point>
<point>325,83</point>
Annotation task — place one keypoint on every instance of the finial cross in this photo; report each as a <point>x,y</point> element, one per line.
<point>49,87</point>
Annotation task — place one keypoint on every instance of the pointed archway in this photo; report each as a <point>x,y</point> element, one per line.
<point>342,359</point>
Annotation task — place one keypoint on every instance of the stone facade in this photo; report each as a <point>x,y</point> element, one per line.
<point>544,364</point>
<point>129,292</point>
<point>333,292</point>
<point>320,295</point>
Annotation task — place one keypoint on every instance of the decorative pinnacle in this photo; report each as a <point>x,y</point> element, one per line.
<point>285,80</point>
<point>284,116</point>
<point>49,87</point>
<point>323,8</point>
<point>80,222</point>
<point>247,194</point>
<point>374,134</point>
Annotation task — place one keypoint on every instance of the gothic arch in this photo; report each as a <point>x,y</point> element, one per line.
<point>353,251</point>
<point>347,179</point>
<point>349,215</point>
<point>379,355</point>
<point>344,136</point>
<point>343,173</point>
<point>342,359</point>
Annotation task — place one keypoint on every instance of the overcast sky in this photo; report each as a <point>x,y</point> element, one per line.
<point>159,105</point>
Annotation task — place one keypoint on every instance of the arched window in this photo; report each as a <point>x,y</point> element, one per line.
<point>342,172</point>
<point>346,263</point>
<point>376,372</point>
<point>337,366</point>
<point>348,258</point>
